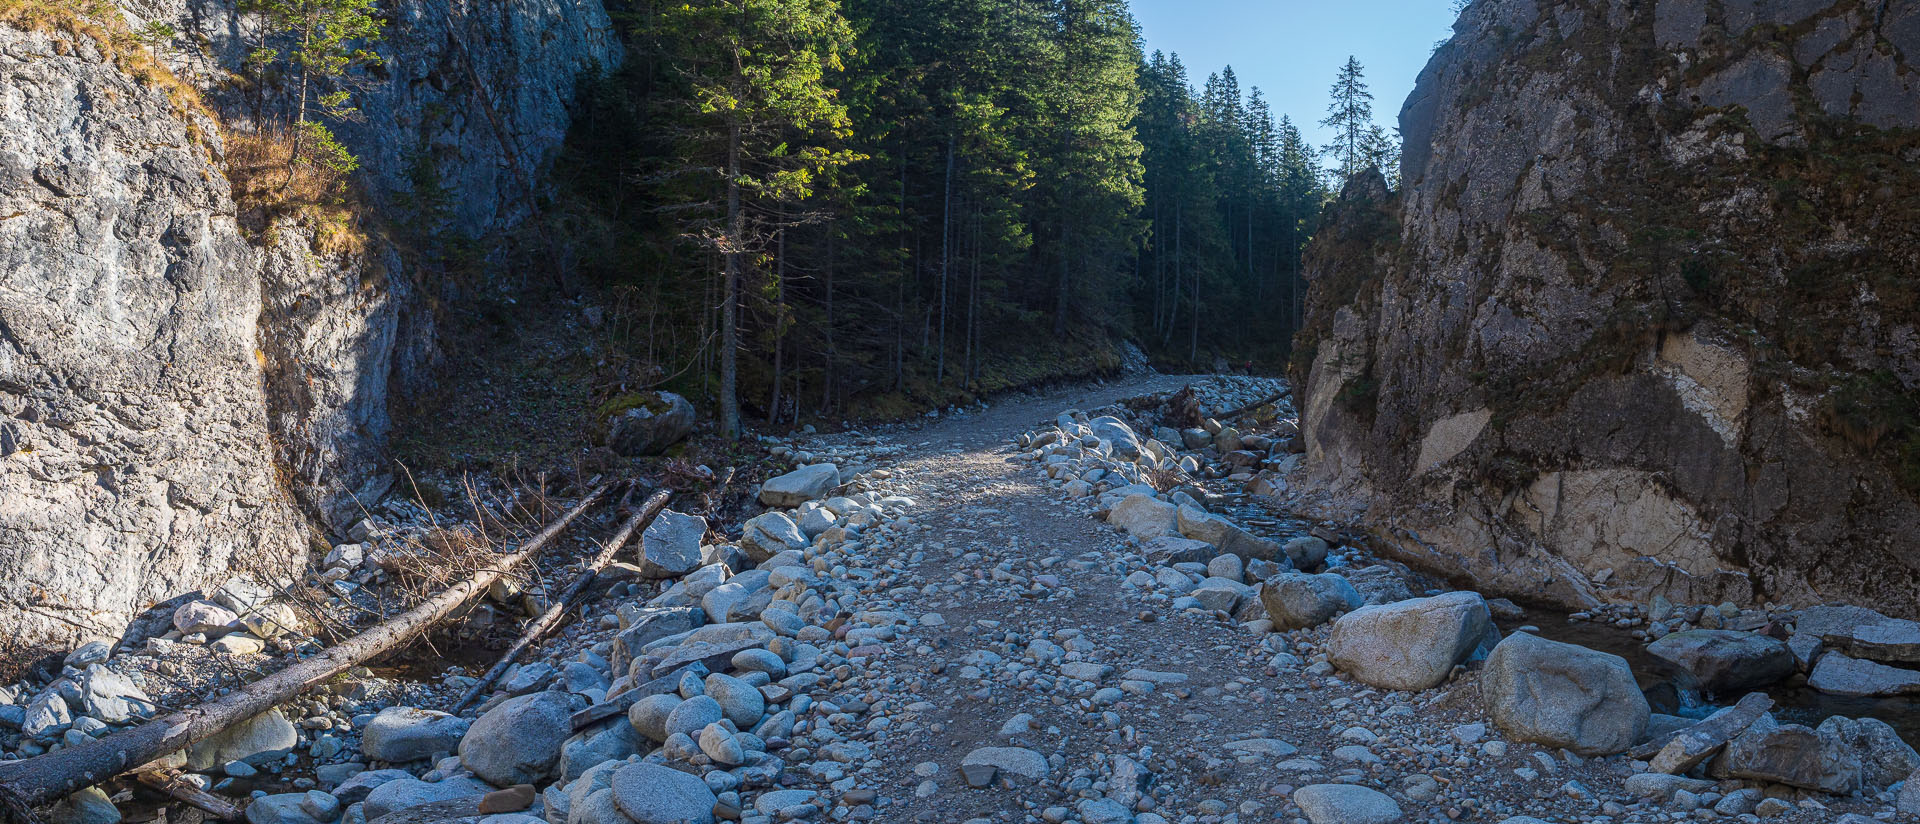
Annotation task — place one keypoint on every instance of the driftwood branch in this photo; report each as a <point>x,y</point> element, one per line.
<point>43,779</point>
<point>180,790</point>
<point>1237,412</point>
<point>547,620</point>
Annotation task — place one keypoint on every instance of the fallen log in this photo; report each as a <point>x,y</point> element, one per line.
<point>1237,412</point>
<point>173,785</point>
<point>547,620</point>
<point>44,779</point>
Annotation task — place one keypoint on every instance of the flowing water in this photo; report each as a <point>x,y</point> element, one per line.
<point>1794,701</point>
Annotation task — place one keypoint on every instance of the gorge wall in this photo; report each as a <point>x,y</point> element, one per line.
<point>1642,318</point>
<point>181,399</point>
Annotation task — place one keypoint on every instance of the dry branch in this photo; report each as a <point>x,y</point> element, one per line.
<point>43,779</point>
<point>1237,412</point>
<point>559,609</point>
<point>173,785</point>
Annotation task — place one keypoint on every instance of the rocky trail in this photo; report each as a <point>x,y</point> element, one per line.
<point>1064,609</point>
<point>1036,685</point>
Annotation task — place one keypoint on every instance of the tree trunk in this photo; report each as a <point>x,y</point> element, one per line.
<point>730,295</point>
<point>1160,269</point>
<point>946,262</point>
<point>1293,257</point>
<point>779,322</point>
<point>1173,303</point>
<point>1066,288</point>
<point>826,392</point>
<point>907,270</point>
<point>47,778</point>
<point>1193,352</point>
<point>973,297</point>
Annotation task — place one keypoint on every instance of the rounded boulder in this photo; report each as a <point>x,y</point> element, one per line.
<point>1410,645</point>
<point>519,741</point>
<point>1563,695</point>
<point>652,794</point>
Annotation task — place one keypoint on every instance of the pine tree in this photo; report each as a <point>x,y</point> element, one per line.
<point>1382,151</point>
<point>331,37</point>
<point>1005,166</point>
<point>1350,115</point>
<point>1301,197</point>
<point>753,106</point>
<point>1091,178</point>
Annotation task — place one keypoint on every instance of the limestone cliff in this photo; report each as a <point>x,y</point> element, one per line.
<point>1642,318</point>
<point>176,392</point>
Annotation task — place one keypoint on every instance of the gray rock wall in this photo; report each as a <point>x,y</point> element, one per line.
<point>473,100</point>
<point>1642,318</point>
<point>174,392</point>
<point>133,458</point>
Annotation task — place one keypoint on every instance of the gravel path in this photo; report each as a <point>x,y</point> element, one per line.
<point>1017,633</point>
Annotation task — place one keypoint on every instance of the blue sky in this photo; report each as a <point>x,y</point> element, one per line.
<point>1292,48</point>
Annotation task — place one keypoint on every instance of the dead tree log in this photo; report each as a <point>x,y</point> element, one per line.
<point>172,784</point>
<point>547,620</point>
<point>46,778</point>
<point>1237,412</point>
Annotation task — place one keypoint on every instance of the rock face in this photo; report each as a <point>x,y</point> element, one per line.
<point>1563,695</point>
<point>266,737</point>
<point>670,546</point>
<point>1838,674</point>
<point>1410,645</point>
<point>1145,517</point>
<point>1346,804</point>
<point>1791,754</point>
<point>1863,633</point>
<point>1885,759</point>
<point>132,422</point>
<point>652,794</point>
<point>152,358</point>
<point>1620,317</point>
<point>400,734</point>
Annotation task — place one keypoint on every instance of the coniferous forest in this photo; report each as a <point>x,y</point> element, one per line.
<point>888,206</point>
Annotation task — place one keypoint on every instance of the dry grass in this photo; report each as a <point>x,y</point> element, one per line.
<point>269,183</point>
<point>1163,480</point>
<point>100,22</point>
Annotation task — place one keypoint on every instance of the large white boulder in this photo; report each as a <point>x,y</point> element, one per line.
<point>801,485</point>
<point>1145,517</point>
<point>1410,645</point>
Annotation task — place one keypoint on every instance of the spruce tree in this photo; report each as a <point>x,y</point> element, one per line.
<point>1350,115</point>
<point>330,37</point>
<point>1382,151</point>
<point>753,117</point>
<point>1091,176</point>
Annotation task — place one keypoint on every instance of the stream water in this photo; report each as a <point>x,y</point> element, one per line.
<point>1794,701</point>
